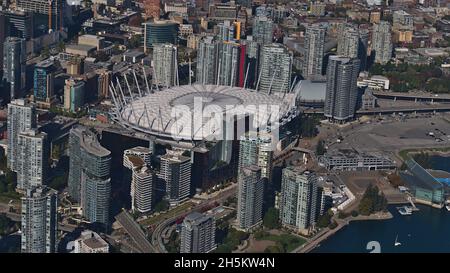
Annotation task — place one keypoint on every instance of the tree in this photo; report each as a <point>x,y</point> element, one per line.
<point>320,149</point>
<point>58,182</point>
<point>45,52</point>
<point>61,46</point>
<point>333,225</point>
<point>372,201</point>
<point>366,206</point>
<point>325,219</point>
<point>3,162</point>
<point>162,205</point>
<point>3,187</point>
<point>135,41</point>
<point>273,249</point>
<point>5,225</point>
<point>11,180</point>
<point>308,126</point>
<point>271,218</point>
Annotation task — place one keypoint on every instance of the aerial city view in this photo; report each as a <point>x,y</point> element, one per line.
<point>225,126</point>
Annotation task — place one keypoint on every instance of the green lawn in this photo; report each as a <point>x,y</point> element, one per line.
<point>287,242</point>
<point>155,219</point>
<point>6,197</point>
<point>404,153</point>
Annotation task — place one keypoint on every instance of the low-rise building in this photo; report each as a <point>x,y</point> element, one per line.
<point>90,242</point>
<point>425,188</point>
<point>376,82</point>
<point>349,160</point>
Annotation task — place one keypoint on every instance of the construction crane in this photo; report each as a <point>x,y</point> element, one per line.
<point>49,15</point>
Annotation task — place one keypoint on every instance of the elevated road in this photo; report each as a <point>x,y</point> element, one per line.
<point>135,232</point>
<point>157,233</point>
<point>392,110</point>
<point>412,96</point>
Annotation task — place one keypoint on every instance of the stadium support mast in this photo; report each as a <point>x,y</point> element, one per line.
<point>156,80</point>
<point>271,82</point>
<point>121,91</point>
<point>246,75</point>
<point>115,101</point>
<point>137,83</point>
<point>176,68</point>
<point>218,74</point>
<point>259,79</point>
<point>190,71</point>
<point>232,75</point>
<point>149,89</point>
<point>293,84</point>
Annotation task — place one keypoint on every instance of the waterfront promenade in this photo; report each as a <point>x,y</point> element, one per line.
<point>327,232</point>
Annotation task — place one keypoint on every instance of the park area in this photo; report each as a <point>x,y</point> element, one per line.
<point>273,241</point>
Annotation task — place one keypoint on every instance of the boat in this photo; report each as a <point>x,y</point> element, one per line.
<point>447,205</point>
<point>397,243</point>
<point>405,210</point>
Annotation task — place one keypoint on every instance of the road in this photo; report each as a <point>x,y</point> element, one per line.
<point>135,232</point>
<point>17,218</point>
<point>391,110</point>
<point>157,233</point>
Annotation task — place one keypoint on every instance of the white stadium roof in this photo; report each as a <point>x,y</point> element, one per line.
<point>162,113</point>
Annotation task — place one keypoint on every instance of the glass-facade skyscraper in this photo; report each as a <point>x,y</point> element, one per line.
<point>43,80</point>
<point>14,65</point>
<point>21,117</point>
<point>250,197</point>
<point>341,91</point>
<point>89,175</point>
<point>39,221</point>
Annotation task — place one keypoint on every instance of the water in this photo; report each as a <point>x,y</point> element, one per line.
<point>10,243</point>
<point>427,230</point>
<point>440,163</point>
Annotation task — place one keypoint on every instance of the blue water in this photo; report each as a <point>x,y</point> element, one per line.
<point>427,230</point>
<point>441,163</point>
<point>10,243</point>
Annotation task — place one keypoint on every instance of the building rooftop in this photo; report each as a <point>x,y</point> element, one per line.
<point>174,156</point>
<point>92,240</point>
<point>80,47</point>
<point>90,142</point>
<point>90,36</point>
<point>40,192</point>
<point>45,64</point>
<point>420,177</point>
<point>195,217</point>
<point>311,90</point>
<point>152,113</point>
<point>135,160</point>
<point>133,53</point>
<point>161,23</point>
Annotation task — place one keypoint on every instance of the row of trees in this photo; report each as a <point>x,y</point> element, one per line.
<point>6,225</point>
<point>8,184</point>
<point>404,77</point>
<point>372,201</point>
<point>232,240</point>
<point>308,126</point>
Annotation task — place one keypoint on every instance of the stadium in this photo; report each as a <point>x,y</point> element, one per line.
<point>163,113</point>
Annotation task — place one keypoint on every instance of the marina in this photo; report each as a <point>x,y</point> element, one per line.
<point>405,210</point>
<point>424,230</point>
